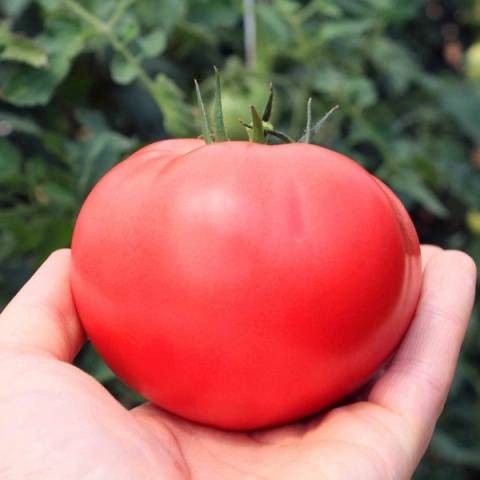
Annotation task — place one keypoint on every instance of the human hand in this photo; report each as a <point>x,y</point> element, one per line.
<point>57,422</point>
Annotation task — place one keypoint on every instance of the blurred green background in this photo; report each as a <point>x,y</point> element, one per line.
<point>85,82</point>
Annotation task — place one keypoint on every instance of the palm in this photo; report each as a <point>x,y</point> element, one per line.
<point>317,449</point>
<point>58,422</point>
<point>151,442</point>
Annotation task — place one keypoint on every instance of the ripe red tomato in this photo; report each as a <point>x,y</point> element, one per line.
<point>244,285</point>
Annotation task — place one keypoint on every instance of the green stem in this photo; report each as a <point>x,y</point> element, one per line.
<point>298,114</point>
<point>250,33</point>
<point>281,136</point>
<point>308,11</point>
<point>105,29</point>
<point>86,16</point>
<point>122,49</point>
<point>220,134</point>
<point>316,128</point>
<point>120,8</point>
<point>207,136</point>
<point>267,113</point>
<point>258,135</point>
<point>308,129</point>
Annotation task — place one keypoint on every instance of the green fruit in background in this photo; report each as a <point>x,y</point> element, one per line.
<point>236,106</point>
<point>473,221</point>
<point>472,61</point>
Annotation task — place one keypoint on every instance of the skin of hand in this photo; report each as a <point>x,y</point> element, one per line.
<point>57,422</point>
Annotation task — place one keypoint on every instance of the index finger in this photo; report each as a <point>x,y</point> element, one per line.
<point>42,316</point>
<point>416,383</point>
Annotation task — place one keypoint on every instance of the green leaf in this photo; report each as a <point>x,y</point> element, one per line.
<point>220,134</point>
<point>36,169</point>
<point>392,12</point>
<point>97,152</point>
<point>153,43</point>
<point>333,30</point>
<point>19,48</point>
<point>50,5</point>
<point>361,92</point>
<point>57,232</point>
<point>127,28</point>
<point>122,71</point>
<point>321,7</point>
<point>20,123</point>
<point>328,80</point>
<point>165,14</point>
<point>411,184</point>
<point>177,115</point>
<point>27,86</point>
<point>356,90</point>
<point>13,8</point>
<point>451,451</point>
<point>64,37</point>
<point>7,244</point>
<point>92,120</point>
<point>462,102</point>
<point>53,193</point>
<point>10,160</point>
<point>395,62</point>
<point>24,85</point>
<point>26,51</point>
<point>214,13</point>
<point>273,27</point>
<point>5,32</point>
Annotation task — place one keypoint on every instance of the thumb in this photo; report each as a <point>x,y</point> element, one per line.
<point>42,315</point>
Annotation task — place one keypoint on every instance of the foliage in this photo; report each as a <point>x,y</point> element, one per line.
<point>85,82</point>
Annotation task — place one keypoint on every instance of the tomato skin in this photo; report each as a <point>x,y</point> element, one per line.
<point>244,285</point>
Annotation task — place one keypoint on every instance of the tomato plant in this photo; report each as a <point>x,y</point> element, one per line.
<point>244,285</point>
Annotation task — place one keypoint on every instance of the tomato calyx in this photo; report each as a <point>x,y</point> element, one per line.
<point>260,128</point>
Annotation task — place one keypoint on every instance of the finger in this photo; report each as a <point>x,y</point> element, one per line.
<point>416,383</point>
<point>42,315</point>
<point>428,252</point>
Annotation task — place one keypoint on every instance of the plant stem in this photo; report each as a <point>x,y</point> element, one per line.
<point>105,29</point>
<point>281,136</point>
<point>86,16</point>
<point>206,131</point>
<point>267,113</point>
<point>250,33</point>
<point>308,130</point>
<point>304,13</point>
<point>122,49</point>
<point>316,128</point>
<point>220,133</point>
<point>258,135</point>
<point>120,8</point>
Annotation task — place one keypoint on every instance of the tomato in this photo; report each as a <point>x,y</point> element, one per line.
<point>243,285</point>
